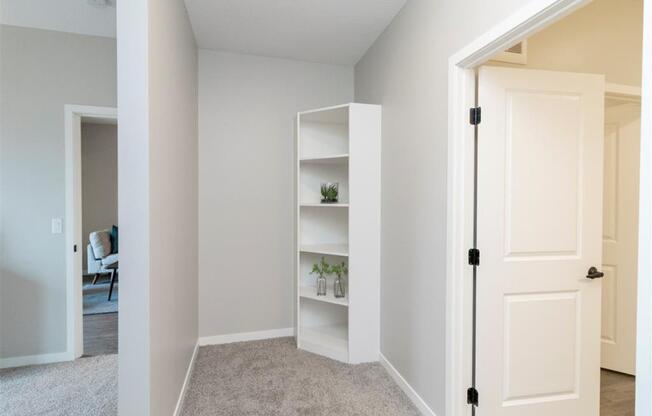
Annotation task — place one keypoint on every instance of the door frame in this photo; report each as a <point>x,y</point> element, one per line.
<point>529,19</point>
<point>73,115</point>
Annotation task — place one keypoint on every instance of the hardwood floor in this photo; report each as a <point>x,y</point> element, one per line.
<point>616,394</point>
<point>101,334</point>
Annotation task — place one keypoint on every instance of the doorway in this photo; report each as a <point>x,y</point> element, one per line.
<point>529,247</point>
<point>559,243</point>
<point>100,231</point>
<point>77,244</point>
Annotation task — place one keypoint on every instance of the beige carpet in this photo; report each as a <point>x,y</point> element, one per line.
<point>260,378</point>
<point>87,386</point>
<point>273,378</point>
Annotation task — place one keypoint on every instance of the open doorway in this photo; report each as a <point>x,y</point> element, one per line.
<point>557,217</point>
<point>99,176</point>
<point>92,229</point>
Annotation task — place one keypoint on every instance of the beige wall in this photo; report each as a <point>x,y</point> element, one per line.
<point>99,150</point>
<point>157,203</point>
<point>604,37</point>
<point>247,111</point>
<point>406,70</point>
<point>40,72</point>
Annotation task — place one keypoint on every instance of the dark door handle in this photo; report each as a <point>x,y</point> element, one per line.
<point>594,273</point>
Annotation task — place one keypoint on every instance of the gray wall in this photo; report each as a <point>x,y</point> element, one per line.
<point>99,150</point>
<point>173,200</point>
<point>247,112</point>
<point>157,203</point>
<point>40,72</point>
<point>406,70</point>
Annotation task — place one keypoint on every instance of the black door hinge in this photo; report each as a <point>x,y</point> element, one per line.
<point>474,257</point>
<point>472,396</point>
<point>74,248</point>
<point>475,115</point>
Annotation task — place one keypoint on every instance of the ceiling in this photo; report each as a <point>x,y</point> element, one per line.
<point>86,17</point>
<point>327,31</point>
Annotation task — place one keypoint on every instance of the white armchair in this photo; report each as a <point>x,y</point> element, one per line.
<point>99,256</point>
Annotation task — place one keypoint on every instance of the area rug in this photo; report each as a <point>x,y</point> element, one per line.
<point>96,298</point>
<point>273,378</point>
<point>87,386</point>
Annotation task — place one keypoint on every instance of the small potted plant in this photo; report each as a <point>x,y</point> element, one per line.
<point>329,192</point>
<point>321,269</point>
<point>338,286</point>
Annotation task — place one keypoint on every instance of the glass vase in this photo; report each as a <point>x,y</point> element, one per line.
<point>321,286</point>
<point>330,192</point>
<point>338,288</point>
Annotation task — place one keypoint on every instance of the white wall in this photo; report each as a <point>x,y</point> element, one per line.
<point>133,208</point>
<point>406,70</point>
<point>40,72</point>
<point>99,154</point>
<point>157,78</point>
<point>604,37</point>
<point>247,111</point>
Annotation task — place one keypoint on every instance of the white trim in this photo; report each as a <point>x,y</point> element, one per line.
<point>34,359</point>
<point>186,381</point>
<point>74,314</point>
<point>644,307</point>
<point>628,92</point>
<point>527,20</point>
<point>407,389</point>
<point>246,336</point>
<point>622,89</point>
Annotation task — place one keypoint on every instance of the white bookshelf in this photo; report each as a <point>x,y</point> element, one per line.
<point>339,144</point>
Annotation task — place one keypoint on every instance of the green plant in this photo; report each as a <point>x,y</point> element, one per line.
<point>322,268</point>
<point>340,269</point>
<point>329,192</point>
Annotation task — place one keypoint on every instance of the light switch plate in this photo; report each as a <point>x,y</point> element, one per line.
<point>57,225</point>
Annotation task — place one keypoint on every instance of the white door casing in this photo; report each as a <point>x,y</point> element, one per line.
<point>620,235</point>
<point>539,230</point>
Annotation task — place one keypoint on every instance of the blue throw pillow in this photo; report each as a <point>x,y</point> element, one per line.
<point>114,239</point>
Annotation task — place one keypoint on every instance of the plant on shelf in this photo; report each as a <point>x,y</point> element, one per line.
<point>338,286</point>
<point>321,269</point>
<point>329,192</point>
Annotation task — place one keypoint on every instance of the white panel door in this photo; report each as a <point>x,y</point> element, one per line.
<point>620,235</point>
<point>539,231</point>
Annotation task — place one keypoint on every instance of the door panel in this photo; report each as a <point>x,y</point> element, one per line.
<point>539,231</point>
<point>620,235</point>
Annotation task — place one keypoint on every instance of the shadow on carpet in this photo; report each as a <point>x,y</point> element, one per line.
<point>273,377</point>
<point>87,386</point>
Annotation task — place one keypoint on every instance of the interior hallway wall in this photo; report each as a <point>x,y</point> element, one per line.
<point>99,153</point>
<point>157,78</point>
<point>406,70</point>
<point>605,37</point>
<point>247,116</point>
<point>40,72</point>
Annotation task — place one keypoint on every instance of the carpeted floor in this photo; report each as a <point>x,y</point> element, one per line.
<point>87,386</point>
<point>273,378</point>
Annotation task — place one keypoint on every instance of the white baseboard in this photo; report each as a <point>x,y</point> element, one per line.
<point>184,387</point>
<point>412,395</point>
<point>246,336</point>
<point>34,359</point>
